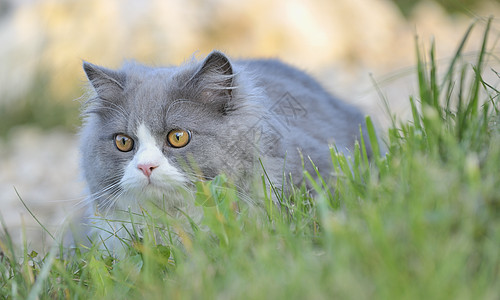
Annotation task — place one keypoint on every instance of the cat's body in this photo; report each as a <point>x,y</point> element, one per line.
<point>146,128</point>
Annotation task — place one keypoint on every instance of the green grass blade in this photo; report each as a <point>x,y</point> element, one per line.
<point>33,215</point>
<point>434,81</point>
<point>474,98</point>
<point>458,54</point>
<point>37,288</point>
<point>372,135</point>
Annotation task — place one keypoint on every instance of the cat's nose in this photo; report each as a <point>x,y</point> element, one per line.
<point>147,169</point>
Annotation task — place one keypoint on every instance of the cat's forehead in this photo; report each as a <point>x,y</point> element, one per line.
<point>159,99</point>
<point>152,79</point>
<point>148,83</point>
<point>149,93</point>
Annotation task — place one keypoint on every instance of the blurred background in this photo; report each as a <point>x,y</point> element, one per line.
<point>346,44</point>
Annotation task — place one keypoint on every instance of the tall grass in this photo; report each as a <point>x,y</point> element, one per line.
<point>421,221</point>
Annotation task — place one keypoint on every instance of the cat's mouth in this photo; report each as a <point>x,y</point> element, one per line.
<point>151,183</point>
<point>159,184</point>
<point>148,189</point>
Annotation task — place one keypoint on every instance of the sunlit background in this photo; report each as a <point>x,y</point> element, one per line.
<point>347,44</point>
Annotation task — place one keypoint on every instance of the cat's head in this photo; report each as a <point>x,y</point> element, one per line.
<point>149,131</point>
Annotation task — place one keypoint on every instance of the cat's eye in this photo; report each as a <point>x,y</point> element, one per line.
<point>124,143</point>
<point>178,138</point>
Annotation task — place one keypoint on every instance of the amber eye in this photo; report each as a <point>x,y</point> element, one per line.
<point>178,138</point>
<point>124,143</point>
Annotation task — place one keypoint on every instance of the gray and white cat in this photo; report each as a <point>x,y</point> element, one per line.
<point>146,128</point>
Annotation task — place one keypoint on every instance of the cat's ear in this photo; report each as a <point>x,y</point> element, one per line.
<point>104,81</point>
<point>214,78</point>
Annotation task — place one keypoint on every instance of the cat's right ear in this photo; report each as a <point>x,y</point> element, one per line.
<point>103,80</point>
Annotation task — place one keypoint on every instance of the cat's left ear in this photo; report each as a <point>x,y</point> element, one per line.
<point>214,78</point>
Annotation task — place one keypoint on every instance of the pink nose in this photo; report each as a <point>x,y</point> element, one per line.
<point>147,169</point>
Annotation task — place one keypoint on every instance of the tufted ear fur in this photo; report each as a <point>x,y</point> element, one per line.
<point>214,79</point>
<point>108,85</point>
<point>104,81</point>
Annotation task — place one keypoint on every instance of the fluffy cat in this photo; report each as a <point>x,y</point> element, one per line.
<point>145,128</point>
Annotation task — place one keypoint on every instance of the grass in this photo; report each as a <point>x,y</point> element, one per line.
<point>420,222</point>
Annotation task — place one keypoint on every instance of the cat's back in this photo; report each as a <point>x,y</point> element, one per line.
<point>304,115</point>
<point>276,76</point>
<point>302,104</point>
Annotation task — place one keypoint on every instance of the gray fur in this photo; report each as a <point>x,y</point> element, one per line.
<point>237,112</point>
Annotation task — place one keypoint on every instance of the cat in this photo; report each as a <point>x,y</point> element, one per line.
<point>149,132</point>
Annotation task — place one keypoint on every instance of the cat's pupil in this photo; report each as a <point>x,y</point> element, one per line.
<point>178,136</point>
